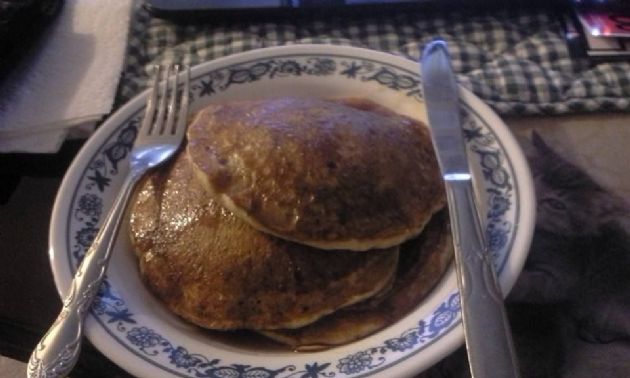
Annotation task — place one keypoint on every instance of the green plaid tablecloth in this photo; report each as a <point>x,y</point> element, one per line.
<point>517,63</point>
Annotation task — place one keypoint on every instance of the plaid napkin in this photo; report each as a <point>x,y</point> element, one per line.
<point>517,63</point>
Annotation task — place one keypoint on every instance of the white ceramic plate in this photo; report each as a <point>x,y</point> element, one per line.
<point>133,329</point>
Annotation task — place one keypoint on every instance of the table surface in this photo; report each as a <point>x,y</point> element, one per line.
<point>29,300</point>
<point>595,144</point>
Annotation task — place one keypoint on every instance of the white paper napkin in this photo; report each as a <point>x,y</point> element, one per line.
<point>70,81</point>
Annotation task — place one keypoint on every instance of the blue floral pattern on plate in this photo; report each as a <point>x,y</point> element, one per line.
<point>111,310</point>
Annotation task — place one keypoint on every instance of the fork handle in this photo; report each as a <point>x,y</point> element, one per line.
<point>58,351</point>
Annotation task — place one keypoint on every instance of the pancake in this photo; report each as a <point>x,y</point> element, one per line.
<point>423,261</point>
<point>214,270</point>
<point>328,174</point>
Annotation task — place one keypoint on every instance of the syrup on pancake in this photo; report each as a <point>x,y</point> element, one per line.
<point>214,270</point>
<point>423,261</point>
<point>330,174</point>
<point>286,217</point>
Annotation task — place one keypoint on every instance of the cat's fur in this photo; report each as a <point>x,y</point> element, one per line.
<point>577,276</point>
<point>575,287</point>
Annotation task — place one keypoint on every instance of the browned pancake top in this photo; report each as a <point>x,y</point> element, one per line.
<point>423,261</point>
<point>215,270</point>
<point>319,172</point>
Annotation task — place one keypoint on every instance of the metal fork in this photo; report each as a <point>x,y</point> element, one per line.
<point>159,136</point>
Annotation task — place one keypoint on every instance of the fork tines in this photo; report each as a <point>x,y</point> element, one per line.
<point>165,89</point>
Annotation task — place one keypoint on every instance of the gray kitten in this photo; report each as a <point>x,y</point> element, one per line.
<point>576,281</point>
<point>579,242</point>
<point>575,287</point>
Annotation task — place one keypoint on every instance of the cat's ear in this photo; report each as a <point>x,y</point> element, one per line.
<point>542,147</point>
<point>525,142</point>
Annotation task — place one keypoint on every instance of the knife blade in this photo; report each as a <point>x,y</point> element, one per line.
<point>486,329</point>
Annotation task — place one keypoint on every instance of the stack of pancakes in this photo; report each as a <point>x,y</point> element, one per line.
<point>313,222</point>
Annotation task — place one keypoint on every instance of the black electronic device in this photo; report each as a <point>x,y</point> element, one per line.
<point>187,10</point>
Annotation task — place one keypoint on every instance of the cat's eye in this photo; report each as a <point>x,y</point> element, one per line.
<point>555,204</point>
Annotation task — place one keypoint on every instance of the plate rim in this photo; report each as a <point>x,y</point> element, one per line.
<point>449,342</point>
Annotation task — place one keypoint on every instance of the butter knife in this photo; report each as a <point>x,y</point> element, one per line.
<point>486,329</point>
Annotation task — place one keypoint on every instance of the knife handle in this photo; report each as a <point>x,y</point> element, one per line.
<point>486,329</point>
